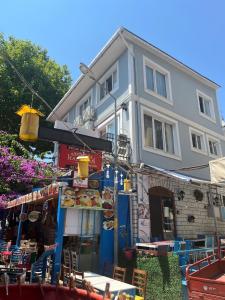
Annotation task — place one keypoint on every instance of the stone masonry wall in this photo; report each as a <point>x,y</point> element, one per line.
<point>203,224</point>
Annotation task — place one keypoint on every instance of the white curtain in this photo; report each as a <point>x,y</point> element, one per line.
<point>169,138</point>
<point>161,84</point>
<point>149,78</point>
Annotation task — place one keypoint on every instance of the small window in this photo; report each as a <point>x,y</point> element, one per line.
<point>157,80</point>
<point>206,108</point>
<point>159,134</point>
<point>214,147</point>
<point>197,141</point>
<point>108,85</point>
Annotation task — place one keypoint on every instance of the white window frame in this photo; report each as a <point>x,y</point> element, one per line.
<point>110,72</point>
<point>202,134</point>
<point>163,119</point>
<point>109,120</point>
<point>149,63</point>
<point>211,106</point>
<point>81,102</point>
<point>213,139</point>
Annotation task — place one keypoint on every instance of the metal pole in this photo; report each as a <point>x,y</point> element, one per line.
<point>115,191</point>
<point>87,71</point>
<point>214,216</point>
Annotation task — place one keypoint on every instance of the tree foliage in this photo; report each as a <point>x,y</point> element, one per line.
<point>47,78</point>
<point>18,170</point>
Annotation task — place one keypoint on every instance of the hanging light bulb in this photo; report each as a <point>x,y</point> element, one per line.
<point>116,176</point>
<point>107,174</point>
<point>121,179</point>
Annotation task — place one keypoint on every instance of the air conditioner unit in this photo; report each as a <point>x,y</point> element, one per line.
<point>89,114</point>
<point>78,121</point>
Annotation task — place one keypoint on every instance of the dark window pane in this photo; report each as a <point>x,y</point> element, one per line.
<point>194,143</point>
<point>148,131</point>
<point>109,84</point>
<point>201,104</point>
<point>158,135</point>
<point>161,84</point>
<point>149,78</point>
<point>199,144</point>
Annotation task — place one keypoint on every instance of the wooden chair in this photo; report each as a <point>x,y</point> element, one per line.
<point>139,279</point>
<point>65,275</point>
<point>73,256</point>
<point>78,278</point>
<point>67,259</point>
<point>119,273</point>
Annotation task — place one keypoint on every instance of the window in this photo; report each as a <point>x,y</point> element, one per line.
<point>108,130</point>
<point>157,80</point>
<point>108,84</point>
<point>197,141</point>
<point>214,147</point>
<point>160,134</point>
<point>85,104</point>
<point>205,104</point>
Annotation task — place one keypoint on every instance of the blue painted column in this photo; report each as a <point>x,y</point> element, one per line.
<point>19,229</point>
<point>58,239</point>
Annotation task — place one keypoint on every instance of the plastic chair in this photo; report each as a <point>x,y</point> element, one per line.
<point>16,257</point>
<point>176,246</point>
<point>209,242</point>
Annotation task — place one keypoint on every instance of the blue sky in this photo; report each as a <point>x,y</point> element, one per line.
<point>193,31</point>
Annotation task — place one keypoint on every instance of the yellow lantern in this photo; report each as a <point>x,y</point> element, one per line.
<point>29,123</point>
<point>83,162</point>
<point>127,185</point>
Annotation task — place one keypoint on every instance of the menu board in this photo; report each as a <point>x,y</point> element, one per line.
<point>107,204</point>
<point>83,198</point>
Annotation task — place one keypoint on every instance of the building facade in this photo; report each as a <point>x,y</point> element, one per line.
<point>169,113</point>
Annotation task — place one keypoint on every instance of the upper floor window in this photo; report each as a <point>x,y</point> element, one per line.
<point>109,82</point>
<point>197,141</point>
<point>157,80</point>
<point>214,146</point>
<point>84,105</point>
<point>205,104</point>
<point>161,134</point>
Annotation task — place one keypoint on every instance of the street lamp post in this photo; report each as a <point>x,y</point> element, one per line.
<point>87,72</point>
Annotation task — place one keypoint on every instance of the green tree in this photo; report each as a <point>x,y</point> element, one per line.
<point>47,78</point>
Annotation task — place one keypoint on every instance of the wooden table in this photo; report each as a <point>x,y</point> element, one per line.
<point>99,282</point>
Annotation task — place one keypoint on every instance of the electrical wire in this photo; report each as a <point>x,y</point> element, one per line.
<point>28,85</point>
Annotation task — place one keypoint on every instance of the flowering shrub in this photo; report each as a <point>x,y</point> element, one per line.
<point>18,173</point>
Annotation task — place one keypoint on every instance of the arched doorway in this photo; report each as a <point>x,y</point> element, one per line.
<point>162,213</point>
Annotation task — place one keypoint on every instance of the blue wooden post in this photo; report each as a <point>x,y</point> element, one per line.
<point>19,229</point>
<point>58,239</point>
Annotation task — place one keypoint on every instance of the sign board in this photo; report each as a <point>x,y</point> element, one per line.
<point>78,182</point>
<point>83,198</point>
<point>68,157</point>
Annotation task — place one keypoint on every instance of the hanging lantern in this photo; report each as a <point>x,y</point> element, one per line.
<point>83,162</point>
<point>29,123</point>
<point>126,185</point>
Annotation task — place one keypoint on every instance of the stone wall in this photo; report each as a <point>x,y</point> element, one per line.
<point>188,206</point>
